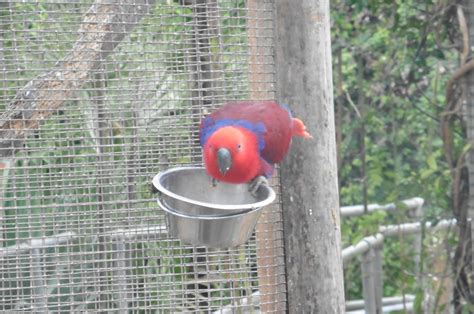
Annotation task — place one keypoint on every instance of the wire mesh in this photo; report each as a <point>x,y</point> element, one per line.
<point>96,97</point>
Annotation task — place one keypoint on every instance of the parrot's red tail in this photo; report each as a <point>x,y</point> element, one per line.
<point>299,129</point>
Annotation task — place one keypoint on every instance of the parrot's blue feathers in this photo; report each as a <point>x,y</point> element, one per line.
<point>209,126</point>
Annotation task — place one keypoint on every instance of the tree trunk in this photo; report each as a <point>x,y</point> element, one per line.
<point>309,174</point>
<point>104,26</point>
<point>463,259</point>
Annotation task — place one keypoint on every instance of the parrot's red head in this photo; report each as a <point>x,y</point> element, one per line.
<point>231,154</point>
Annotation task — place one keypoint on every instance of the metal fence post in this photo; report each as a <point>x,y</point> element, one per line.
<point>371,267</point>
<point>417,214</point>
<point>366,268</point>
<point>378,276</point>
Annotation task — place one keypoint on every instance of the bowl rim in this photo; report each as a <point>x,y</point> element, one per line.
<point>156,182</point>
<point>171,211</point>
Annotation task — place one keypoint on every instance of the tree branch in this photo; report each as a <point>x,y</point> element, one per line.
<point>104,26</point>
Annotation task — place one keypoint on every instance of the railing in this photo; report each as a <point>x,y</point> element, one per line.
<point>369,249</point>
<point>34,249</point>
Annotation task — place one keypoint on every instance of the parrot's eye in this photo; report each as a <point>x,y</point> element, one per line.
<point>239,146</point>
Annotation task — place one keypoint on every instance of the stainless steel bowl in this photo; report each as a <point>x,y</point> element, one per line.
<point>214,232</point>
<point>189,191</point>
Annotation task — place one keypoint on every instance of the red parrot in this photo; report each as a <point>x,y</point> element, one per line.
<point>242,141</point>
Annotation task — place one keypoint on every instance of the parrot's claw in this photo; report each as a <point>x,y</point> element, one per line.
<point>214,182</point>
<point>255,184</point>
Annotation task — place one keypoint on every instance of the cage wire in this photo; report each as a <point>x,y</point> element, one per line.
<point>96,98</point>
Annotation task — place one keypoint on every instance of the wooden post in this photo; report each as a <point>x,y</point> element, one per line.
<point>309,174</point>
<point>271,270</point>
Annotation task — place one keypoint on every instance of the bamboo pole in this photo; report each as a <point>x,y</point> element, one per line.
<point>357,210</point>
<point>369,282</point>
<point>359,304</point>
<point>271,270</point>
<point>362,246</point>
<point>415,227</point>
<point>392,230</point>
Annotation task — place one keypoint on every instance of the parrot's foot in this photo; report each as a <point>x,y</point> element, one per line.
<point>214,182</point>
<point>255,184</point>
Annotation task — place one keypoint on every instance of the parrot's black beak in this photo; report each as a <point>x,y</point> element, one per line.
<point>224,160</point>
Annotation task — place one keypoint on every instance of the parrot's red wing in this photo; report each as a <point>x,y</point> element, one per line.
<point>275,119</point>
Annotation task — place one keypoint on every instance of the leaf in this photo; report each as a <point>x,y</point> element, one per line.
<point>431,161</point>
<point>418,303</point>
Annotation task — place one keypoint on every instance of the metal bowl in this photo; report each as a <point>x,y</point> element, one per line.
<point>214,232</point>
<point>190,191</point>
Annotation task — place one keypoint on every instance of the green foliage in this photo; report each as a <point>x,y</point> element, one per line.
<point>390,69</point>
<point>359,227</point>
<point>468,308</point>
